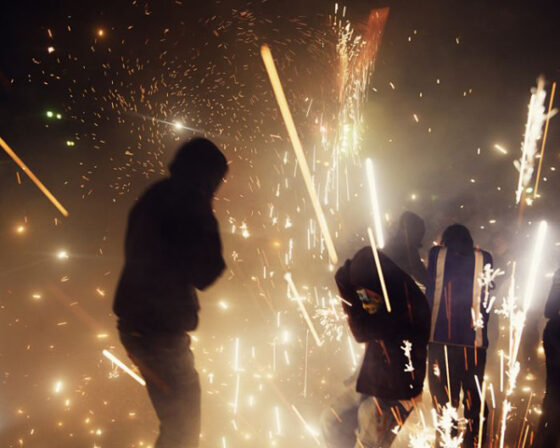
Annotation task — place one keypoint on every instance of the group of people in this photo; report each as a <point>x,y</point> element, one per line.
<point>437,318</point>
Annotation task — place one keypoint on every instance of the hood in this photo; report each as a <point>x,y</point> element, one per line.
<point>411,229</point>
<point>458,239</point>
<point>199,164</point>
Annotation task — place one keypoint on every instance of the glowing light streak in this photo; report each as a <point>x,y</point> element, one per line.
<point>375,205</point>
<point>533,133</point>
<point>299,301</point>
<point>379,270</point>
<point>296,144</point>
<point>124,367</point>
<point>549,115</point>
<point>34,178</point>
<point>308,428</point>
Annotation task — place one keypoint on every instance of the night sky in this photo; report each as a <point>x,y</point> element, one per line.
<point>451,79</point>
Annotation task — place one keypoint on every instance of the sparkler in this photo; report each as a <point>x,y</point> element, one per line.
<point>123,366</point>
<point>549,115</point>
<point>296,144</point>
<point>34,178</point>
<point>533,133</point>
<point>379,270</point>
<point>299,300</point>
<point>375,205</point>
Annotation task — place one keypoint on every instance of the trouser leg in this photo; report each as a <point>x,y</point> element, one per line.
<point>377,418</point>
<point>173,386</point>
<point>437,377</point>
<point>340,420</point>
<point>471,397</point>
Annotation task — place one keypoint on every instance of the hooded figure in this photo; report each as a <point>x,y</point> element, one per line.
<point>172,248</point>
<point>388,374</point>
<point>403,247</point>
<point>548,433</point>
<point>458,336</point>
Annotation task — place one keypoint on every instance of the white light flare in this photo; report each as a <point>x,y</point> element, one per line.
<point>535,264</point>
<point>375,205</point>
<point>124,367</point>
<point>379,270</point>
<point>299,300</point>
<point>298,149</point>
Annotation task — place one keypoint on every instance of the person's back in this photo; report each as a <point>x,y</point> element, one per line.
<point>548,433</point>
<point>169,229</point>
<point>403,247</point>
<point>172,247</point>
<point>458,337</point>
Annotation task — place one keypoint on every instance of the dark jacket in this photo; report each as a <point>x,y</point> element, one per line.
<point>552,306</point>
<point>453,324</point>
<point>402,249</point>
<point>172,245</point>
<point>382,373</point>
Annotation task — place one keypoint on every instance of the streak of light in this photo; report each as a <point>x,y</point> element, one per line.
<point>500,148</point>
<point>375,204</point>
<point>123,366</point>
<point>296,144</point>
<point>236,397</point>
<point>379,270</point>
<point>277,420</point>
<point>309,429</point>
<point>548,116</point>
<point>34,178</point>
<point>299,300</point>
<point>447,373</point>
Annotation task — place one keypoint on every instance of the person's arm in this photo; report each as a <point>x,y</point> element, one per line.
<point>552,307</point>
<point>431,275</point>
<point>208,262</point>
<point>366,327</point>
<point>419,270</point>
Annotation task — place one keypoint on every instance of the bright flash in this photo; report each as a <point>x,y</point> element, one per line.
<point>62,255</point>
<point>178,125</point>
<point>58,387</point>
<point>20,229</point>
<point>101,32</point>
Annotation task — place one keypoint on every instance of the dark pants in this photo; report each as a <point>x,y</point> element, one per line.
<point>462,370</point>
<point>167,365</point>
<point>548,433</point>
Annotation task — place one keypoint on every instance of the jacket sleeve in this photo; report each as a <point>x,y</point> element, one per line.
<point>431,280</point>
<point>208,262</point>
<point>364,326</point>
<point>552,307</point>
<point>420,272</point>
<point>194,240</point>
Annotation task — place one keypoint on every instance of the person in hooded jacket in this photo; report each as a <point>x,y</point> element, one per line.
<point>548,432</point>
<point>393,369</point>
<point>403,247</point>
<point>459,325</point>
<point>172,248</point>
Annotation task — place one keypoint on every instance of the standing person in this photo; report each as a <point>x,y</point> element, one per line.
<point>403,247</point>
<point>172,247</point>
<point>459,325</point>
<point>548,433</point>
<point>390,380</point>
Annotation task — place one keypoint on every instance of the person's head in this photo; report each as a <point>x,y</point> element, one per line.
<point>411,229</point>
<point>458,239</point>
<point>199,164</point>
<point>364,277</point>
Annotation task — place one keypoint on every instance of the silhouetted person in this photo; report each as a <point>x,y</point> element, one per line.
<point>402,249</point>
<point>172,247</point>
<point>455,296</point>
<point>548,433</point>
<point>389,381</point>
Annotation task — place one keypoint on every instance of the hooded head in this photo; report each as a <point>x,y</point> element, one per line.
<point>411,229</point>
<point>199,164</point>
<point>363,274</point>
<point>458,238</point>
